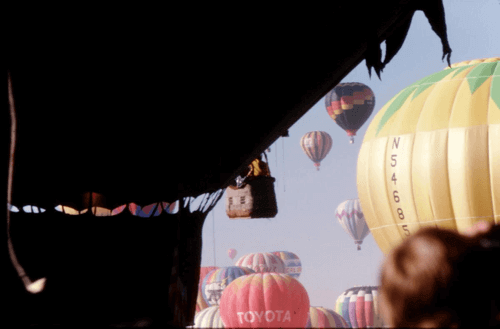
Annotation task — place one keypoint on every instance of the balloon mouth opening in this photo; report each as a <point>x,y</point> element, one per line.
<point>351,133</point>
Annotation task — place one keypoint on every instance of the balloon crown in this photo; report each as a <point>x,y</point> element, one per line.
<point>358,288</point>
<point>474,61</point>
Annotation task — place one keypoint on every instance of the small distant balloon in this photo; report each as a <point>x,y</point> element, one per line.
<point>231,253</point>
<point>351,218</point>
<point>316,145</point>
<point>292,262</point>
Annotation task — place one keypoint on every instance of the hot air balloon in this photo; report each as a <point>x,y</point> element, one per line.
<point>200,302</point>
<point>431,156</point>
<point>350,105</point>
<point>351,218</point>
<point>320,317</point>
<point>217,280</point>
<point>292,262</point>
<point>359,307</point>
<point>316,145</point>
<point>208,318</point>
<point>265,300</point>
<point>231,253</point>
<point>262,262</point>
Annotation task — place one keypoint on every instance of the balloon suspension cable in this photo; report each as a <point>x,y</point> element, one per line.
<point>276,152</point>
<point>213,235</point>
<point>38,285</point>
<point>283,144</point>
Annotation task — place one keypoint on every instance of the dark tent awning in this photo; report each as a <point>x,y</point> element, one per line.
<point>146,110</point>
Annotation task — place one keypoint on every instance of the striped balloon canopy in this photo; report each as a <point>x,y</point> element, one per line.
<point>316,145</point>
<point>431,155</point>
<point>217,280</point>
<point>359,307</point>
<point>208,318</point>
<point>262,262</point>
<point>292,262</point>
<point>201,304</point>
<point>320,317</point>
<point>350,217</point>
<point>350,105</point>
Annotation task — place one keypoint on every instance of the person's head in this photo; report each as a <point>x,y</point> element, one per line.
<point>439,278</point>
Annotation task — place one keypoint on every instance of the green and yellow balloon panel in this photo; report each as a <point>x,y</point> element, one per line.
<point>431,155</point>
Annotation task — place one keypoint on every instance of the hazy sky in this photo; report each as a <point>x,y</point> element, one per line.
<point>307,198</point>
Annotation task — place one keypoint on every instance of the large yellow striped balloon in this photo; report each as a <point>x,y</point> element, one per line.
<point>431,156</point>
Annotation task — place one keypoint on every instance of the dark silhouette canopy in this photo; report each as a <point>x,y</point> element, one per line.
<point>138,110</point>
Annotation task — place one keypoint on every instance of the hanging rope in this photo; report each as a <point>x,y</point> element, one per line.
<point>283,146</point>
<point>38,285</point>
<point>207,204</point>
<point>213,235</point>
<point>276,151</point>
